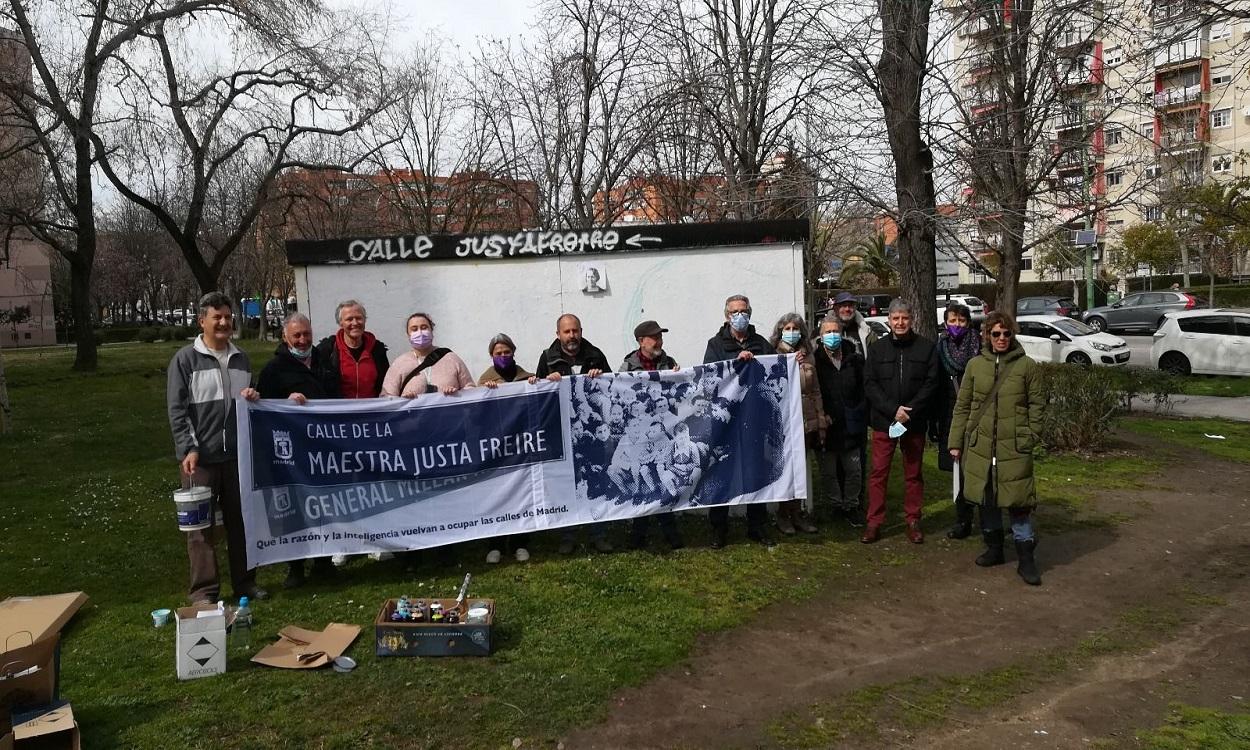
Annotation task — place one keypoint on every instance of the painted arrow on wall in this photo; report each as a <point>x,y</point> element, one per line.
<point>638,239</point>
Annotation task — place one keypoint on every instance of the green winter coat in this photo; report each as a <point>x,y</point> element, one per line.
<point>1007,429</point>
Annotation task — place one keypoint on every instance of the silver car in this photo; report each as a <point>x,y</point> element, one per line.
<point>1141,311</point>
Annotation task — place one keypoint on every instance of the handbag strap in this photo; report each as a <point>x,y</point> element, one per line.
<point>998,382</point>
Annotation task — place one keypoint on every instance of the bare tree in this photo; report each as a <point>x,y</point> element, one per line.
<point>202,139</point>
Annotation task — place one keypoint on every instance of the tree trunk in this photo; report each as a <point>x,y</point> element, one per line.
<point>85,357</point>
<point>901,70</point>
<point>1007,284</point>
<point>6,410</point>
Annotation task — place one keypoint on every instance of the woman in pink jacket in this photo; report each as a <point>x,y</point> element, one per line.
<point>425,369</point>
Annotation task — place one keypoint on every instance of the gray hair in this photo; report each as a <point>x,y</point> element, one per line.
<point>338,311</point>
<point>901,305</point>
<point>214,300</point>
<point>830,320</point>
<point>737,298</point>
<point>296,317</point>
<point>500,338</point>
<point>786,320</point>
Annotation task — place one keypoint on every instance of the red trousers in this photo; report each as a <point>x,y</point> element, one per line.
<point>912,443</point>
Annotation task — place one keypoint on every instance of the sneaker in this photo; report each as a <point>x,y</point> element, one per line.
<point>255,593</point>
<point>522,554</point>
<point>338,560</point>
<point>604,546</point>
<point>380,556</point>
<point>493,557</point>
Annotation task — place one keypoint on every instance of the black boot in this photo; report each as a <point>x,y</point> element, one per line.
<point>963,521</point>
<point>1027,566</point>
<point>993,554</point>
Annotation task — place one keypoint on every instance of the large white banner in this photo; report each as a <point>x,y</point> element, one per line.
<point>355,476</point>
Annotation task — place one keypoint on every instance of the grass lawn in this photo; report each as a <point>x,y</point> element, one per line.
<point>86,482</point>
<point>1215,385</point>
<point>1193,433</point>
<point>1189,727</point>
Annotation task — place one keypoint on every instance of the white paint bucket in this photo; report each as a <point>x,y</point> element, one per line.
<point>194,508</point>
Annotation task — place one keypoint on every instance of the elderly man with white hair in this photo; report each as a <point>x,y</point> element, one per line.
<point>299,372</point>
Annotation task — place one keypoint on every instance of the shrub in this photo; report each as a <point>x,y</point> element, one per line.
<point>148,335</point>
<point>169,333</point>
<point>1154,386</point>
<point>1083,403</point>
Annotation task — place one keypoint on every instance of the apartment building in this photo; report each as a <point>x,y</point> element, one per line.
<point>1148,97</point>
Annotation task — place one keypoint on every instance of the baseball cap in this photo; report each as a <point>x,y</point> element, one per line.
<point>844,297</point>
<point>648,328</point>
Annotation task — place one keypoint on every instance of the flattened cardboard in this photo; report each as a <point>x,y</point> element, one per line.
<point>298,648</point>
<point>28,675</point>
<point>26,619</point>
<point>51,729</point>
<point>200,642</point>
<point>6,741</point>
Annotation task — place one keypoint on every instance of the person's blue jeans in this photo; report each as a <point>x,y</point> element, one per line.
<point>1021,521</point>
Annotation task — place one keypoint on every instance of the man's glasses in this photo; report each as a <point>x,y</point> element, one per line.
<point>1001,334</point>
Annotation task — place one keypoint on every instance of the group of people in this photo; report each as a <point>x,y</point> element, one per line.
<point>976,396</point>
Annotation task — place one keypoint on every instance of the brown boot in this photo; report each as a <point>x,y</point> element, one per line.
<point>800,521</point>
<point>785,522</point>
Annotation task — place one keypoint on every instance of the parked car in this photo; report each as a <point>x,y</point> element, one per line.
<point>1048,305</point>
<point>1057,338</point>
<point>880,325</point>
<point>974,305</point>
<point>1142,311</point>
<point>1206,342</point>
<point>873,304</point>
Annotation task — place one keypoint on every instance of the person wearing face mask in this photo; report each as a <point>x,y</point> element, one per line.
<point>994,428</point>
<point>425,369</point>
<point>299,372</point>
<point>957,345</point>
<point>649,357</point>
<point>840,374</point>
<point>738,341</point>
<point>504,369</point>
<point>790,337</point>
<point>569,355</point>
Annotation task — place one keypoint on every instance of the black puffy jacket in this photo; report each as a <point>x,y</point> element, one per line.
<point>901,372</point>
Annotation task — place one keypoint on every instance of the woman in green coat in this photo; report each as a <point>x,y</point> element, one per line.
<point>997,418</point>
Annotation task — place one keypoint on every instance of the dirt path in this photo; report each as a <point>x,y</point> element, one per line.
<point>944,616</point>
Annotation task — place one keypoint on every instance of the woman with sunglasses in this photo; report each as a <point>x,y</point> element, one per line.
<point>996,423</point>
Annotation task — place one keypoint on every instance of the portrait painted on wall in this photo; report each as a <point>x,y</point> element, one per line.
<point>593,277</point>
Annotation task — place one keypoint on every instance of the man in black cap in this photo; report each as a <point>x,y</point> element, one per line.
<point>650,356</point>
<point>854,328</point>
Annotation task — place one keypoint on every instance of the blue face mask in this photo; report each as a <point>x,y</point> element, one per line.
<point>831,340</point>
<point>740,321</point>
<point>300,353</point>
<point>791,337</point>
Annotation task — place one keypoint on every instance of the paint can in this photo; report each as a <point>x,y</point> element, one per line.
<point>194,507</point>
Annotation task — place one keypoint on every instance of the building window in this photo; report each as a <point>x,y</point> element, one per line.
<point>1026,264</point>
<point>1222,164</point>
<point>1115,178</point>
<point>1222,118</point>
<point>1115,98</point>
<point>1115,224</point>
<point>1115,136</point>
<point>1153,213</point>
<point>1220,30</point>
<point>1113,56</point>
<point>1148,130</point>
<point>1221,76</point>
<point>1152,171</point>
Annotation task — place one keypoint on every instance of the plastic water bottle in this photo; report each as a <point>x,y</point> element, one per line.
<point>241,631</point>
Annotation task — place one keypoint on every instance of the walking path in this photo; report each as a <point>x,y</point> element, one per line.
<point>1236,408</point>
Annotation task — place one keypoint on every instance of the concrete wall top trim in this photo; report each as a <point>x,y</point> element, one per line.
<point>543,244</point>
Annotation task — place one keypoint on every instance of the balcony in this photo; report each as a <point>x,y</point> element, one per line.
<point>1179,53</point>
<point>1178,96</point>
<point>1078,117</point>
<point>1077,158</point>
<point>1167,12</point>
<point>976,26</point>
<point>1074,37</point>
<point>1180,137</point>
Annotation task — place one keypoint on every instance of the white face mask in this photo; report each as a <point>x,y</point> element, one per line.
<point>740,321</point>
<point>897,429</point>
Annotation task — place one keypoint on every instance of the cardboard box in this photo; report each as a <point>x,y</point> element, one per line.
<point>201,642</point>
<point>29,642</point>
<point>48,729</point>
<point>298,648</point>
<point>431,639</point>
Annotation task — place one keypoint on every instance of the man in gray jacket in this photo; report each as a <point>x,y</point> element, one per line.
<point>204,379</point>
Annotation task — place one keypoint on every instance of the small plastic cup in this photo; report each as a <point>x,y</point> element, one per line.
<point>160,617</point>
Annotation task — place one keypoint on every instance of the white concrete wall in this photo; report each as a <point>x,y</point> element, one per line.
<point>684,290</point>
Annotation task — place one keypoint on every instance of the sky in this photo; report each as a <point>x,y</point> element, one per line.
<point>463,21</point>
